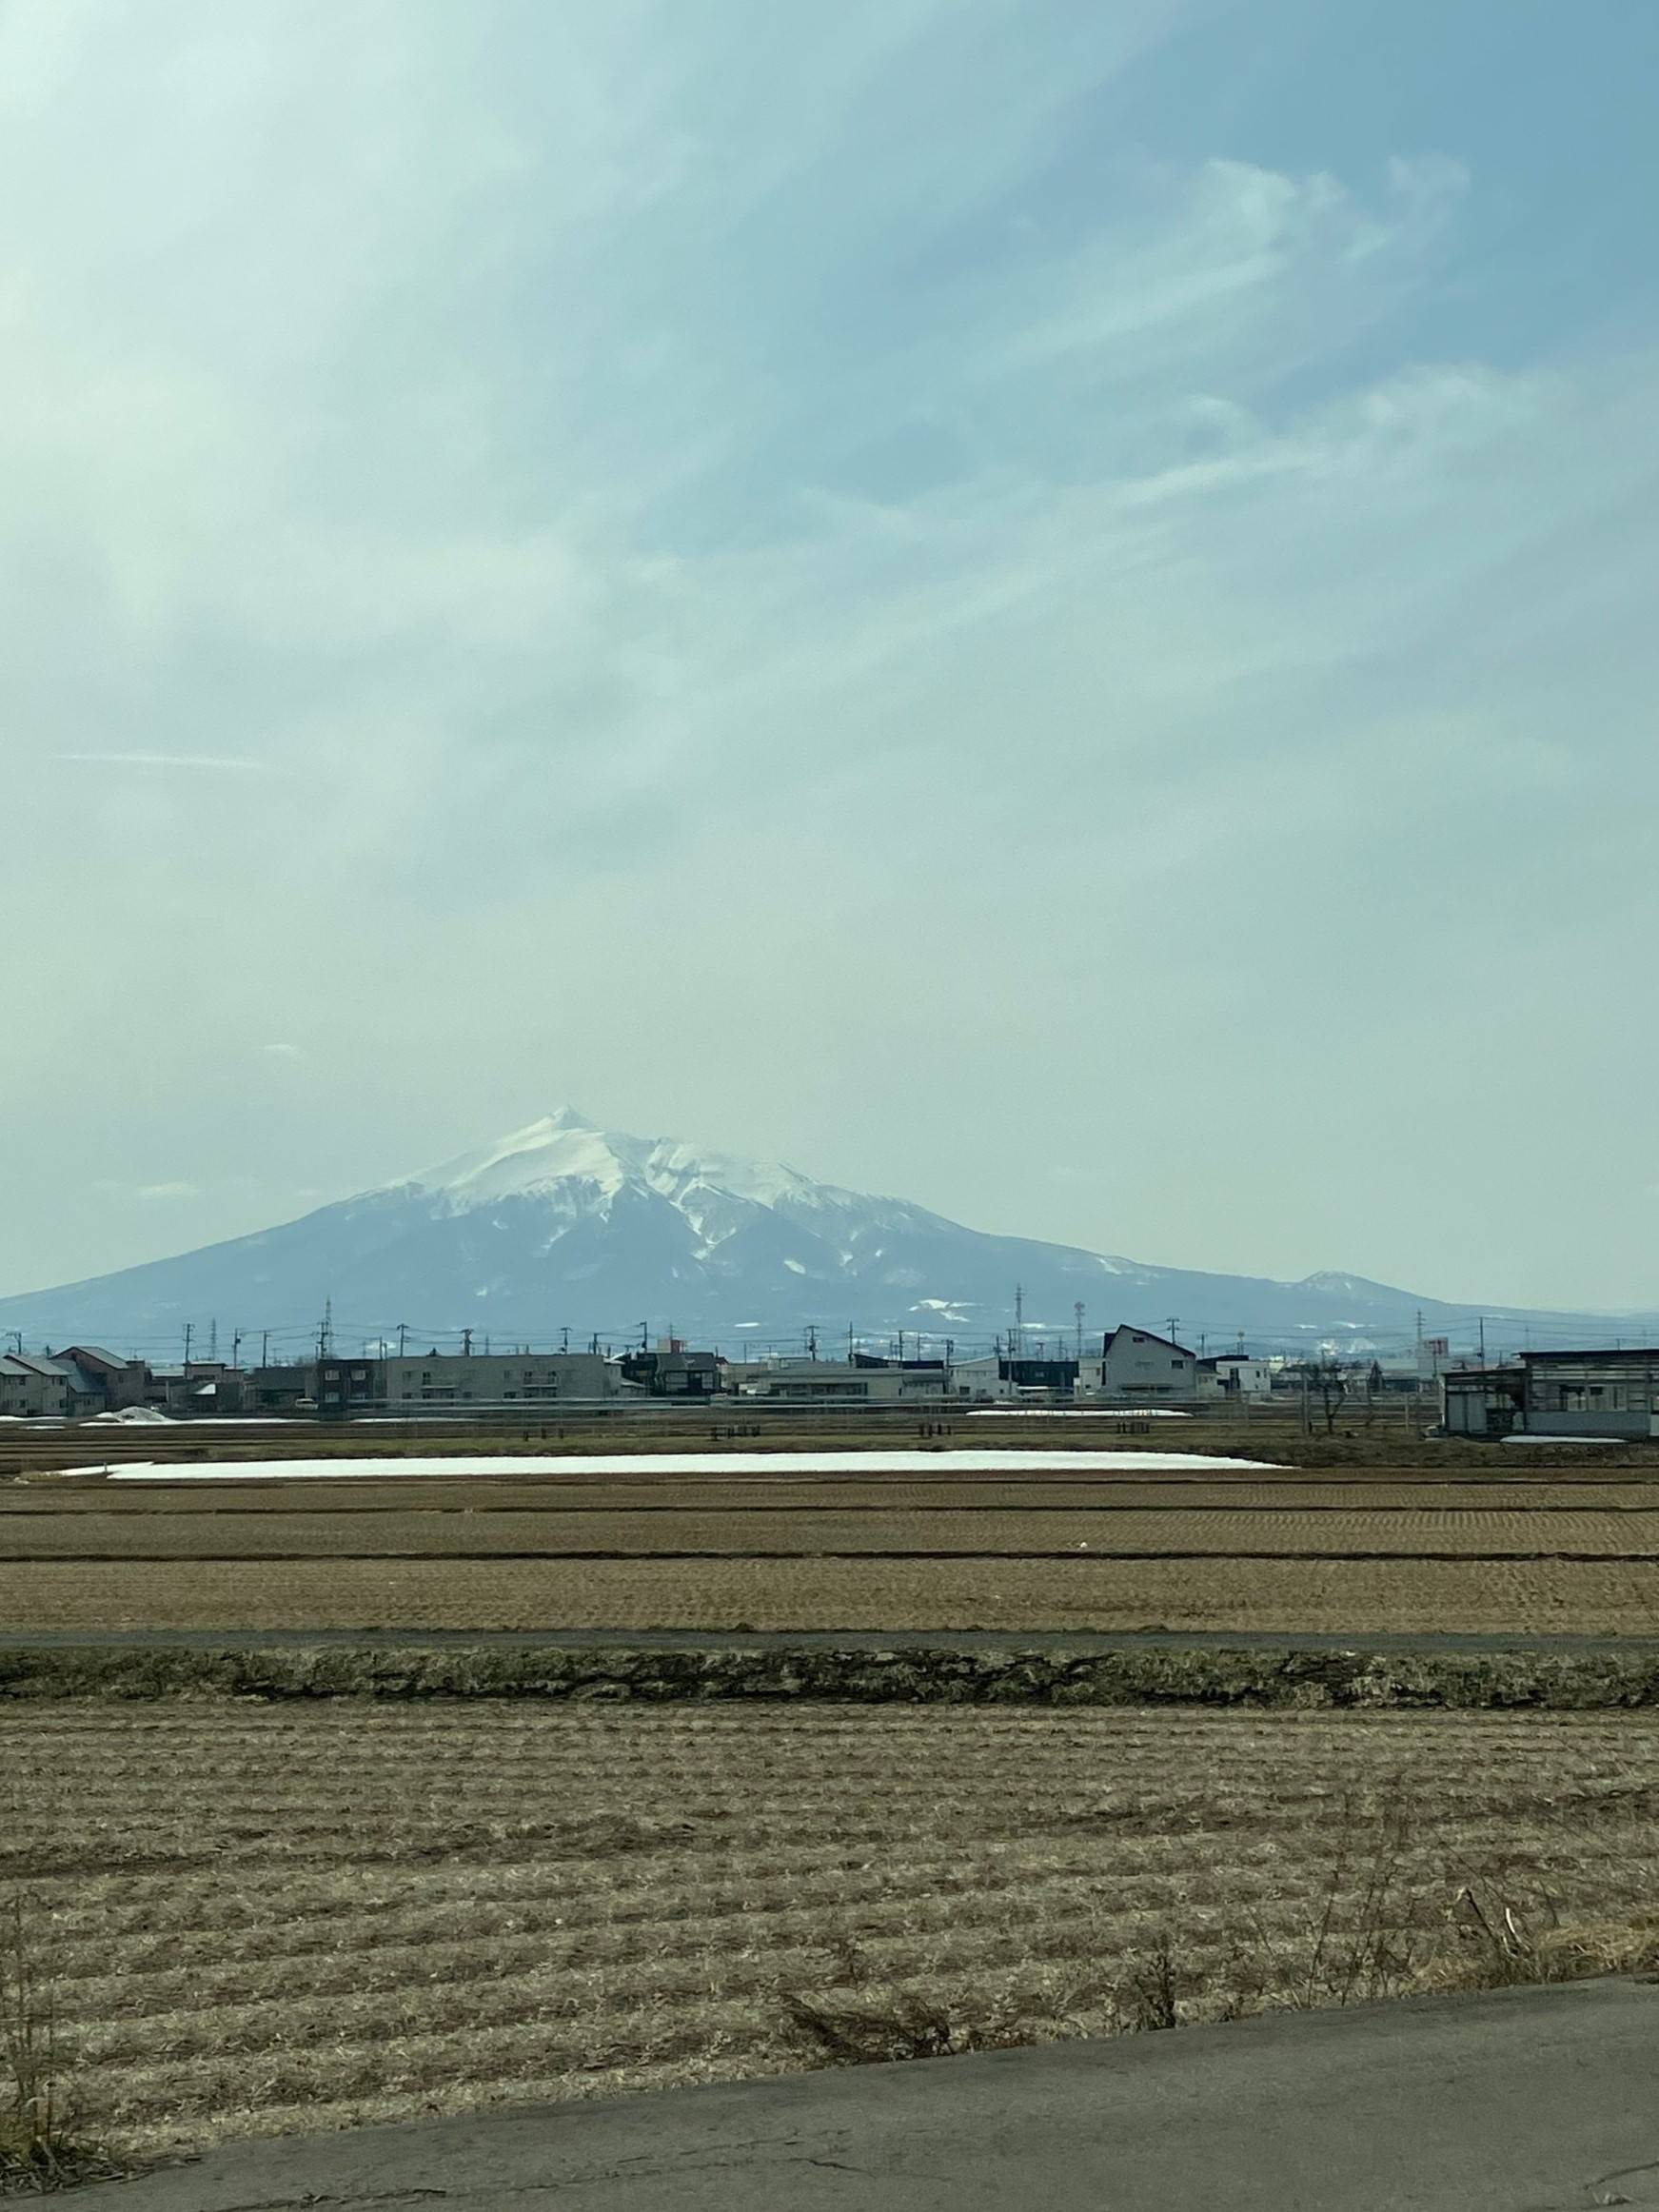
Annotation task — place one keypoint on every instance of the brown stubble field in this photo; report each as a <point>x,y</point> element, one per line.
<point>262,1917</point>
<point>1405,1548</point>
<point>1340,1597</point>
<point>269,1918</point>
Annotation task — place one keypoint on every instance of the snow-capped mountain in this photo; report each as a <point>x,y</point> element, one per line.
<point>567,1226</point>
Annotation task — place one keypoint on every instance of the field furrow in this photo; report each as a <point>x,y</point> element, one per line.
<point>260,1918</point>
<point>1349,1597</point>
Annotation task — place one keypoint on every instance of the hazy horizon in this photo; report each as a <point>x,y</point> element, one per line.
<point>1033,607</point>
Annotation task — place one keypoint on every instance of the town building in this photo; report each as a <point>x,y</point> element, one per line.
<point>519,1379</point>
<point>197,1390</point>
<point>671,1371</point>
<point>1138,1367</point>
<point>38,1386</point>
<point>122,1382</point>
<point>1592,1394</point>
<point>1555,1393</point>
<point>1483,1401</point>
<point>286,1389</point>
<point>998,1376</point>
<point>857,1382</point>
<point>1235,1375</point>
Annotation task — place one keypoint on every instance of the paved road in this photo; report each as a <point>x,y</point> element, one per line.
<point>1527,2100</point>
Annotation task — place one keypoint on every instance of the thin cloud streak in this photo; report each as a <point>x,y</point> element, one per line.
<point>916,521</point>
<point>228,761</point>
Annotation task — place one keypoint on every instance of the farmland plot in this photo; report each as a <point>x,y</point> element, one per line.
<point>261,1919</point>
<point>1349,1597</point>
<point>818,1533</point>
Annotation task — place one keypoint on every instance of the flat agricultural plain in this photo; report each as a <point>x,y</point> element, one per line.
<point>1495,1544</point>
<point>261,1919</point>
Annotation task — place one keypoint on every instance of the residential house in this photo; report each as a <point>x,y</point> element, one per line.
<point>671,1371</point>
<point>40,1387</point>
<point>284,1389</point>
<point>1138,1366</point>
<point>856,1382</point>
<point>122,1381</point>
<point>519,1379</point>
<point>1235,1375</point>
<point>998,1376</point>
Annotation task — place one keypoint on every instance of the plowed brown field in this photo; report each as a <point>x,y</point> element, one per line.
<point>1130,1533</point>
<point>1371,1553</point>
<point>263,1918</point>
<point>1336,1596</point>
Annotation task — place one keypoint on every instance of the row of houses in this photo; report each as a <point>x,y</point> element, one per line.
<point>1130,1367</point>
<point>70,1383</point>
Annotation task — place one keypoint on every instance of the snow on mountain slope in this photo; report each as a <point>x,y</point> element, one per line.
<point>564,1147</point>
<point>563,1225</point>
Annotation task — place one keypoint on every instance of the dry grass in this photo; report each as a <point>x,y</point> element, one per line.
<point>265,1919</point>
<point>42,2142</point>
<point>1346,1598</point>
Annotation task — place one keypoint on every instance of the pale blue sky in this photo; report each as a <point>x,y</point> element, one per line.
<point>1040,606</point>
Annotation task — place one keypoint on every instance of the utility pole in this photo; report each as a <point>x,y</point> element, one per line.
<point>403,1336</point>
<point>187,1347</point>
<point>564,1339</point>
<point>1174,1324</point>
<point>236,1350</point>
<point>812,1343</point>
<point>264,1348</point>
<point>1016,1344</point>
<point>213,1341</point>
<point>1077,1317</point>
<point>1483,1340</point>
<point>467,1344</point>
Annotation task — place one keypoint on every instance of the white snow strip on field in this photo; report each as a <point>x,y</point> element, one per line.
<point>1542,1439</point>
<point>613,1463</point>
<point>1076,1414</point>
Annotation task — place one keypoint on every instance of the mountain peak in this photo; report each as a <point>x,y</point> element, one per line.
<point>563,1223</point>
<point>566,1148</point>
<point>562,1145</point>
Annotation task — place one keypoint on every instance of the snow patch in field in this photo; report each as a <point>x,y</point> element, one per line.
<point>631,1463</point>
<point>1541,1438</point>
<point>1075,1412</point>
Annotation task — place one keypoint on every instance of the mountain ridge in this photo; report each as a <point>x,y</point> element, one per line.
<point>562,1225</point>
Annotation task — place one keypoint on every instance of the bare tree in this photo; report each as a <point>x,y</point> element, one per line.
<point>1326,1378</point>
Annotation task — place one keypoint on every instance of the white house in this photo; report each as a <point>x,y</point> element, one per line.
<point>1138,1366</point>
<point>1235,1375</point>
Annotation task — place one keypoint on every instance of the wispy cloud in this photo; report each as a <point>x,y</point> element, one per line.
<point>150,1194</point>
<point>896,518</point>
<point>208,761</point>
